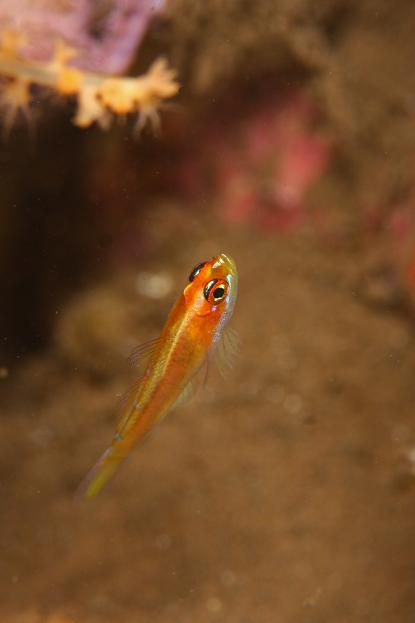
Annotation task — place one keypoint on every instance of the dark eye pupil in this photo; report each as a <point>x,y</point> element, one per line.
<point>218,293</point>
<point>196,271</point>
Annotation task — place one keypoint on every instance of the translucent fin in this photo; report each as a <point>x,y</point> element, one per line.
<point>197,381</point>
<point>141,354</point>
<point>227,352</point>
<point>127,403</point>
<point>186,393</point>
<point>102,471</point>
<point>139,360</point>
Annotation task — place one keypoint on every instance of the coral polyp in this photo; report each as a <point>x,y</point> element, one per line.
<point>99,97</point>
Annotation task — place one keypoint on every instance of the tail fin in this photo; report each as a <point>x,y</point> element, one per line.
<point>102,471</point>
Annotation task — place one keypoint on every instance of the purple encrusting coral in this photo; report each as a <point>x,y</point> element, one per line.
<point>104,33</point>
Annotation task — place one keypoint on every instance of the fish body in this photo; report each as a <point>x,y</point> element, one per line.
<point>189,338</point>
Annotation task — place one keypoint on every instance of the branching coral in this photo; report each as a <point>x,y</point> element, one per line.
<point>99,97</point>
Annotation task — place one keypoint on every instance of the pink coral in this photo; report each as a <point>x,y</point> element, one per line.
<point>262,166</point>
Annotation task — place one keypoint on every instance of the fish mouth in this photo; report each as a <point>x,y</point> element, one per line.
<point>225,262</point>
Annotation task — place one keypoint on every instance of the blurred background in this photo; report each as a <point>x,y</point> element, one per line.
<point>140,137</point>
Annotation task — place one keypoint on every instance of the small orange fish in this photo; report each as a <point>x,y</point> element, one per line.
<point>189,338</point>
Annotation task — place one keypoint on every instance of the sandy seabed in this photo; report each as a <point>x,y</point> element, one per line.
<point>285,493</point>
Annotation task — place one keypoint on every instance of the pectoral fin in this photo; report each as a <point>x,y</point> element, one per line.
<point>227,352</point>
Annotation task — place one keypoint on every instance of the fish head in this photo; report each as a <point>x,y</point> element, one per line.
<point>213,287</point>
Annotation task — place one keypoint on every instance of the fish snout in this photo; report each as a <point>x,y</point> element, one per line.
<point>226,263</point>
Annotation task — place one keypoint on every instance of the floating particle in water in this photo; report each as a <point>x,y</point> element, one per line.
<point>228,577</point>
<point>293,404</point>
<point>275,394</point>
<point>163,541</point>
<point>401,433</point>
<point>214,605</point>
<point>410,456</point>
<point>41,436</point>
<point>154,285</point>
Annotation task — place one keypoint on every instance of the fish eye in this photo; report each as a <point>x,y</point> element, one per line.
<point>196,271</point>
<point>219,293</point>
<point>215,290</point>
